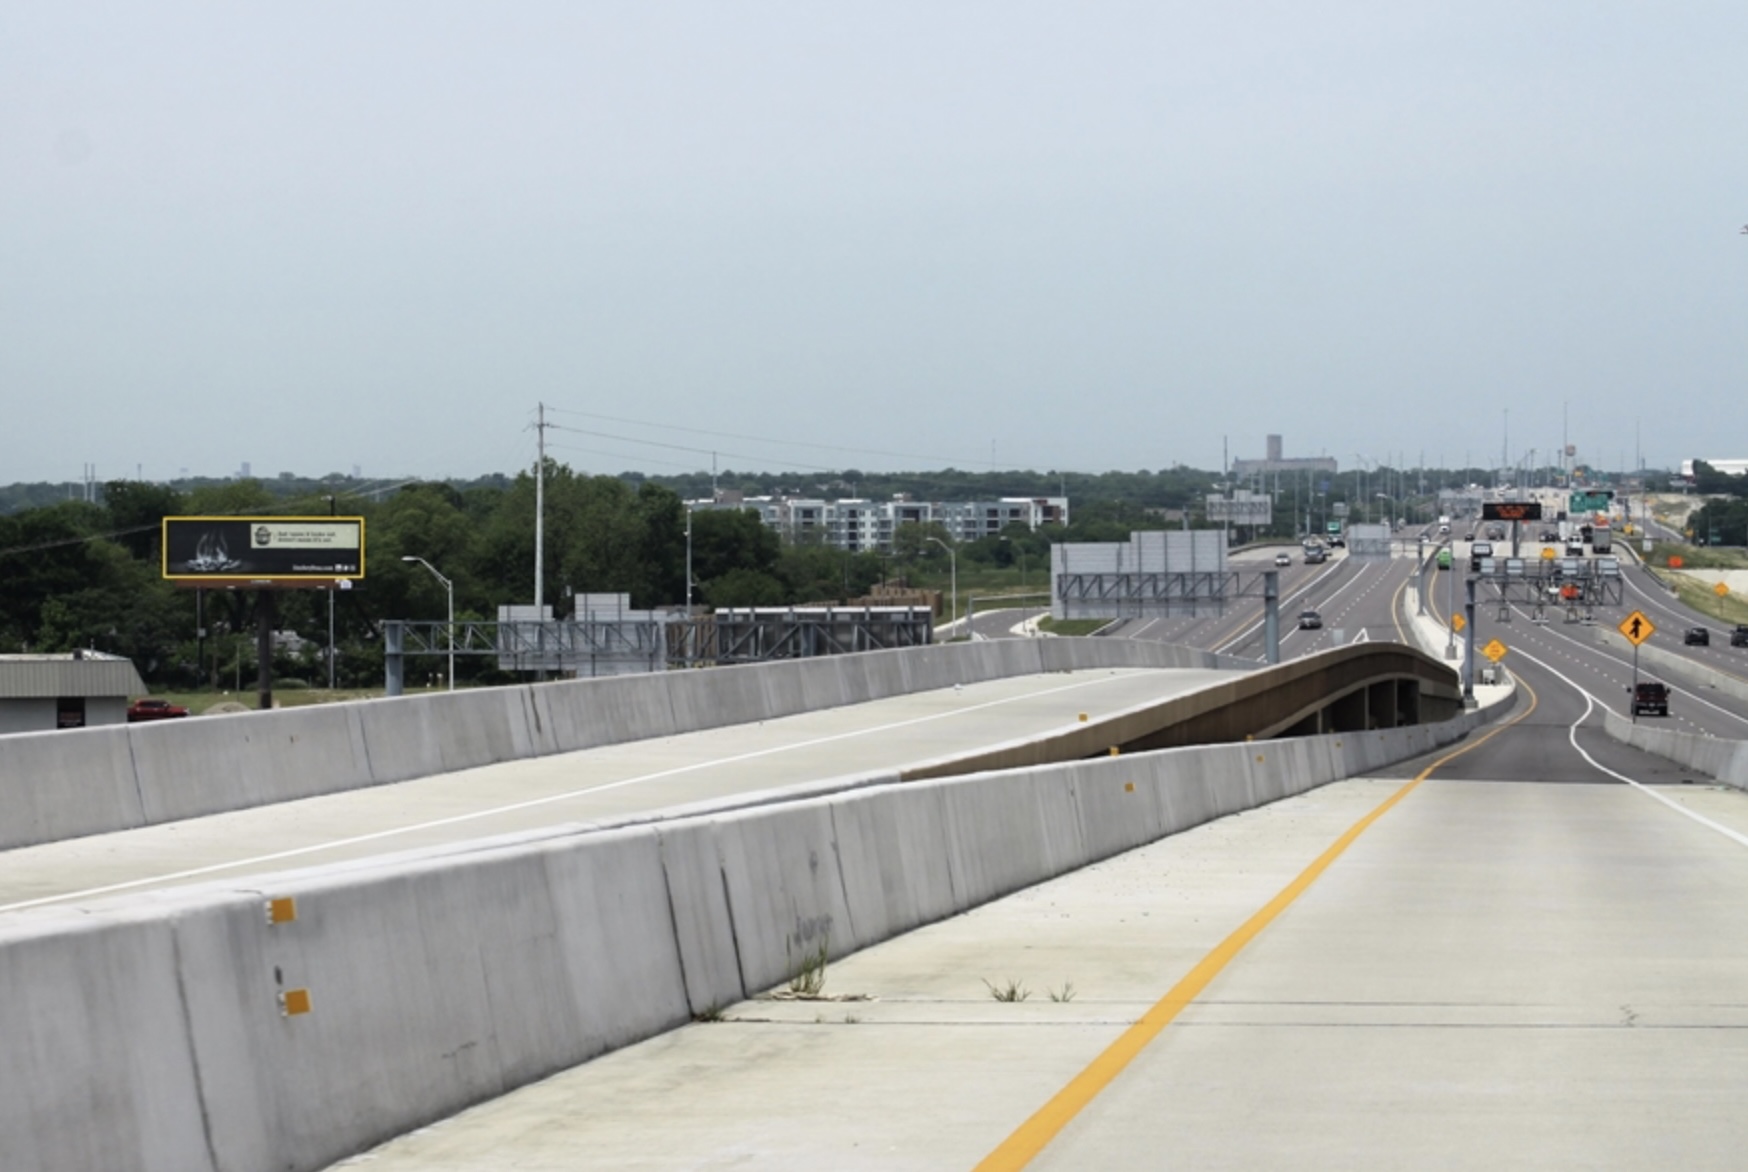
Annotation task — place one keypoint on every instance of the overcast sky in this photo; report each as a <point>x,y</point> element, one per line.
<point>313,236</point>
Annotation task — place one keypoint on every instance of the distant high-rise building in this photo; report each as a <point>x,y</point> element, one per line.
<point>243,473</point>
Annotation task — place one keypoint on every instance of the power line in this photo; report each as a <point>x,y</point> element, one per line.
<point>942,461</point>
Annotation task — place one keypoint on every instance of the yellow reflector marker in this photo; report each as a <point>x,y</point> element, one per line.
<point>1128,787</point>
<point>294,1001</point>
<point>282,910</point>
<point>1115,751</point>
<point>1083,718</point>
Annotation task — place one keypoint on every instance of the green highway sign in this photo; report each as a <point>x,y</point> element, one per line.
<point>1589,502</point>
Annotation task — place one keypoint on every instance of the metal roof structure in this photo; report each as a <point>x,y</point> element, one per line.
<point>76,673</point>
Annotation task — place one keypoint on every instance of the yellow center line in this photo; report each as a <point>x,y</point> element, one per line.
<point>1032,1136</point>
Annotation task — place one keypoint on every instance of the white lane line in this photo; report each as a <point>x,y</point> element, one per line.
<point>1619,660</point>
<point>1590,703</point>
<point>532,803</point>
<point>1244,635</point>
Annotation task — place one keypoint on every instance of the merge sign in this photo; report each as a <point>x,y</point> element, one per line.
<point>1511,510</point>
<point>236,550</point>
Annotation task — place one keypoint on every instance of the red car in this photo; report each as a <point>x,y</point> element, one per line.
<point>148,708</point>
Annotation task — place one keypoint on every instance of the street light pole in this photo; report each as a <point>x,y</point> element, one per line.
<point>952,554</point>
<point>449,592</point>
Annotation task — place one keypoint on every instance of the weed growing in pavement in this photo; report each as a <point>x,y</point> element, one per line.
<point>809,978</point>
<point>1012,991</point>
<point>1066,993</point>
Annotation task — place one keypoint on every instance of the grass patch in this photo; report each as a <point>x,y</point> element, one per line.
<point>1698,557</point>
<point>809,978</point>
<point>1729,610</point>
<point>1071,626</point>
<point>1066,993</point>
<point>1012,991</point>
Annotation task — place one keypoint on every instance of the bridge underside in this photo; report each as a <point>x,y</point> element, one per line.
<point>1350,689</point>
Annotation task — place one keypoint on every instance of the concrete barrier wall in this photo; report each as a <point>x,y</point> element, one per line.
<point>148,1033</point>
<point>93,781</point>
<point>1724,760</point>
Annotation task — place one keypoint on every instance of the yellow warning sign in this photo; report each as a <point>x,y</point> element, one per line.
<point>1547,553</point>
<point>1495,651</point>
<point>1458,622</point>
<point>1637,628</point>
<point>1720,589</point>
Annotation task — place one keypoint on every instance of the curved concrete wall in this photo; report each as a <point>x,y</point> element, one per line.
<point>1724,760</point>
<point>147,1033</point>
<point>92,781</point>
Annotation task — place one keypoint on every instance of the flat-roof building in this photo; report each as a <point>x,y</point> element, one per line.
<point>1276,462</point>
<point>39,693</point>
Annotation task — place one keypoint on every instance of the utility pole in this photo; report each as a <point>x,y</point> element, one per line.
<point>539,509</point>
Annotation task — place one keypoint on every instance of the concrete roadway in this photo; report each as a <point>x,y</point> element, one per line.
<point>1354,599</point>
<point>558,793</point>
<point>1539,651</point>
<point>1493,971</point>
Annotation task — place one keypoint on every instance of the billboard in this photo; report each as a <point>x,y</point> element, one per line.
<point>243,550</point>
<point>1511,511</point>
<point>1242,508</point>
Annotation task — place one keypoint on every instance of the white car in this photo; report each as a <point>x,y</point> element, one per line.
<point>1283,559</point>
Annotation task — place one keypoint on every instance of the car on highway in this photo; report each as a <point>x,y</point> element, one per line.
<point>1739,637</point>
<point>1315,557</point>
<point>1310,620</point>
<point>152,708</point>
<point>1697,637</point>
<point>1283,559</point>
<point>1650,699</point>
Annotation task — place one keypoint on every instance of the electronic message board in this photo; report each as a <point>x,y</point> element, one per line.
<point>1511,510</point>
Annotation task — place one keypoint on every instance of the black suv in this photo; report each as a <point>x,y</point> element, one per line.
<point>1651,699</point>
<point>1310,620</point>
<point>1697,637</point>
<point>1739,637</point>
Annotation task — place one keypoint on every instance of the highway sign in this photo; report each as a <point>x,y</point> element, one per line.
<point>1494,651</point>
<point>1720,589</point>
<point>1637,628</point>
<point>1589,502</point>
<point>1458,622</point>
<point>1547,553</point>
<point>1511,511</point>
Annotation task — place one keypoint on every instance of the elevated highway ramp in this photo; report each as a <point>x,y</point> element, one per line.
<point>285,1014</point>
<point>1383,972</point>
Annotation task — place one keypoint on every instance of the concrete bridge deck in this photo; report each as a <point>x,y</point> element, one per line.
<point>612,784</point>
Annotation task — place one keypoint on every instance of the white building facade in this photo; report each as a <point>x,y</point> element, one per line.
<point>858,524</point>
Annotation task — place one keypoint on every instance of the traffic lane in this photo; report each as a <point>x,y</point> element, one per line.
<point>1673,618</point>
<point>1608,672</point>
<point>1242,634</point>
<point>931,1070</point>
<point>558,793</point>
<point>1000,624</point>
<point>1537,743</point>
<point>1360,606</point>
<point>1506,976</point>
<point>1605,672</point>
